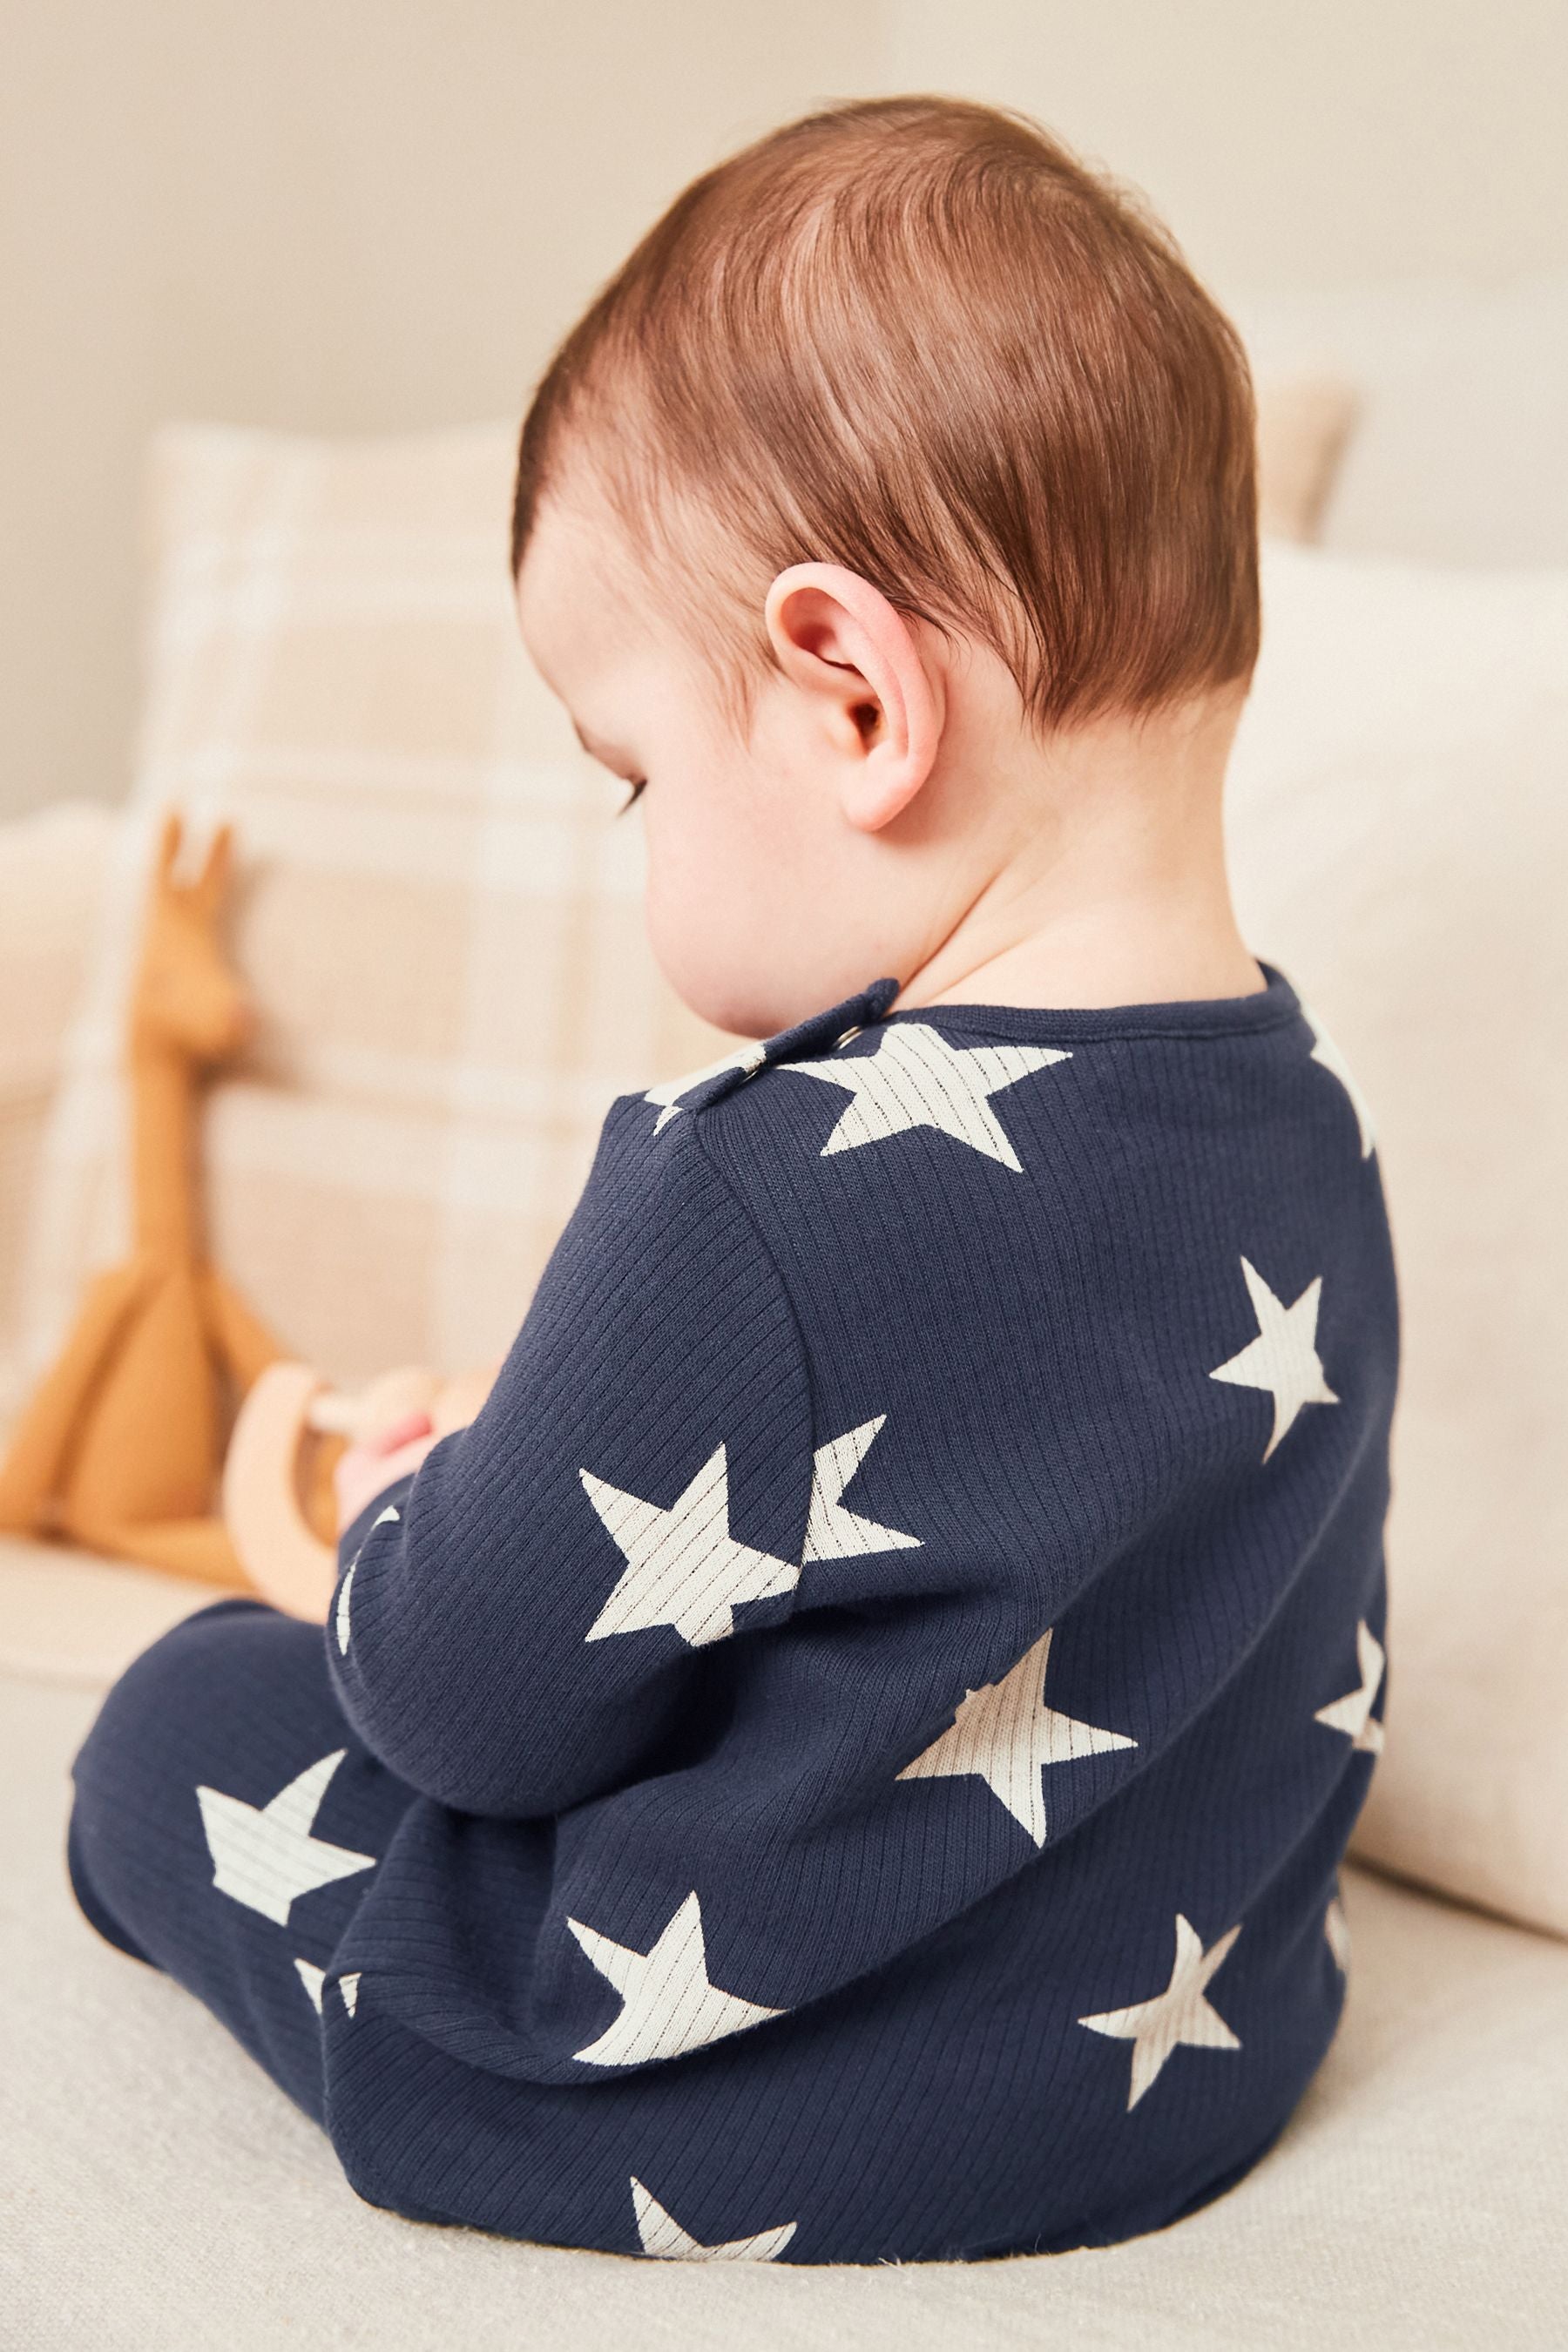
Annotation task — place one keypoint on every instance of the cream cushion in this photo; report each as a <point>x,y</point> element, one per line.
<point>52,874</point>
<point>1399,818</point>
<point>439,918</point>
<point>1304,422</point>
<point>1461,393</point>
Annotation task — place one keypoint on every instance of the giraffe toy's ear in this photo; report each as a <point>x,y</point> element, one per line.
<point>170,834</point>
<point>211,885</point>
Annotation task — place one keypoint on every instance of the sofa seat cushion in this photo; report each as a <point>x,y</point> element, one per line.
<point>68,1617</point>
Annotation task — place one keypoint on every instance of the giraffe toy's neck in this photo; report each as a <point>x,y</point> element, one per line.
<point>163,1175</point>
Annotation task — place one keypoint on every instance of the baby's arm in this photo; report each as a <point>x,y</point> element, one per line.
<point>525,1617</point>
<point>372,1464</point>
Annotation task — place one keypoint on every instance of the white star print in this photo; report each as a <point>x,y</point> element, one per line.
<point>663,2236</point>
<point>1283,1358</point>
<point>833,1531</point>
<point>1353,1712</point>
<point>312,1978</point>
<point>349,1988</point>
<point>915,1078</point>
<point>1336,1927</point>
<point>1325,1051</point>
<point>1180,2013</point>
<point>683,1567</point>
<point>1006,1735</point>
<point>341,1618</point>
<point>670,2005</point>
<point>667,1095</point>
<point>265,1856</point>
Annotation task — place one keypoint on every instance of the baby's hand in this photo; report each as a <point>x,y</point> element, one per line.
<point>373,1464</point>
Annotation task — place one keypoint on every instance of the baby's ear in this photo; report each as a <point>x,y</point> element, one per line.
<point>818,615</point>
<point>880,704</point>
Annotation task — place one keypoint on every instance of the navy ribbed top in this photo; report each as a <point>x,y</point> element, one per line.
<point>893,1667</point>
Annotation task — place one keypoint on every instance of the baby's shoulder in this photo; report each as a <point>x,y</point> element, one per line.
<point>858,1123</point>
<point>688,1103</point>
<point>932,1136</point>
<point>712,1128</point>
<point>1011,1192</point>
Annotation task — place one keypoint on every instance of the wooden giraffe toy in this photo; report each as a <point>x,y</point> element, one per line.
<point>121,1446</point>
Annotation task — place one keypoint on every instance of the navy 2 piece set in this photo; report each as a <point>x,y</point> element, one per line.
<point>849,1757</point>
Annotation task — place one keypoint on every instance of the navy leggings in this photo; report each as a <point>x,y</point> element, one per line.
<point>229,1699</point>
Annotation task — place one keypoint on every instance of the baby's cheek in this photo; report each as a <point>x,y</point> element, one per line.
<point>701,887</point>
<point>735,899</point>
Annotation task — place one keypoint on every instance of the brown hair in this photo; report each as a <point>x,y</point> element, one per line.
<point>919,338</point>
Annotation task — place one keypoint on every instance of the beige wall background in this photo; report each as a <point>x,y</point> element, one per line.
<point>352,215</point>
<point>1290,145</point>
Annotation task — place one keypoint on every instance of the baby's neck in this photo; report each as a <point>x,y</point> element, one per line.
<point>1105,882</point>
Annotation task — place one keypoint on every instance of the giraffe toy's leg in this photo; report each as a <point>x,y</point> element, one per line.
<point>240,1339</point>
<point>31,1472</point>
<point>199,1548</point>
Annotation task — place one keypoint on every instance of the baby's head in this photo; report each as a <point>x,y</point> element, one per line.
<point>902,458</point>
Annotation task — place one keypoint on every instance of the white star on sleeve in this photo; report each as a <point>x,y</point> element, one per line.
<point>683,1567</point>
<point>663,2236</point>
<point>915,1078</point>
<point>1327,1053</point>
<point>312,1978</point>
<point>1180,2013</point>
<point>1283,1358</point>
<point>340,1616</point>
<point>349,1988</point>
<point>670,2004</point>
<point>833,1530</point>
<point>1006,1735</point>
<point>1353,1714</point>
<point>264,1855</point>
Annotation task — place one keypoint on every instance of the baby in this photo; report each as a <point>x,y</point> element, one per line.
<point>846,1757</point>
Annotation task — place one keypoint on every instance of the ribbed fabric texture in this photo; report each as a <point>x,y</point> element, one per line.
<point>877,1699</point>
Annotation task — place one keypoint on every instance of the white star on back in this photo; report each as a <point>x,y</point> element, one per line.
<point>915,1078</point>
<point>265,1856</point>
<point>1328,1054</point>
<point>670,2006</point>
<point>1180,2013</point>
<point>663,2236</point>
<point>1283,1358</point>
<point>1006,1735</point>
<point>1353,1712</point>
<point>833,1531</point>
<point>683,1567</point>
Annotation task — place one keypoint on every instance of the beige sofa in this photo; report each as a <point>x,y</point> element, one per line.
<point>155,2189</point>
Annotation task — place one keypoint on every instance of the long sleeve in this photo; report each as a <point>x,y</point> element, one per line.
<point>547,1607</point>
